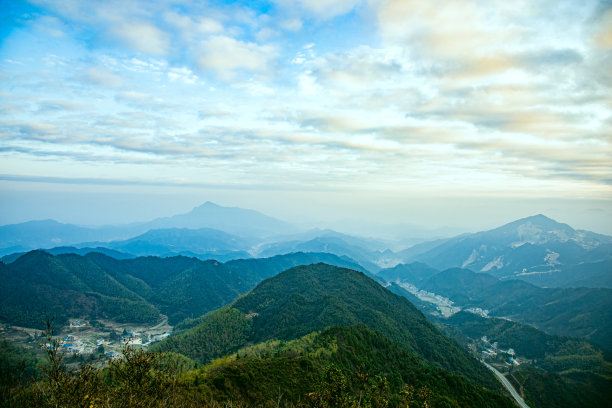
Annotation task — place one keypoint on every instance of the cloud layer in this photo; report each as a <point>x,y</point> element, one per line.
<point>471,97</point>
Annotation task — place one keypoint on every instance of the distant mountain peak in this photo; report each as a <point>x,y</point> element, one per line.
<point>46,222</point>
<point>233,220</point>
<point>539,221</point>
<point>208,204</point>
<point>210,207</point>
<point>539,217</point>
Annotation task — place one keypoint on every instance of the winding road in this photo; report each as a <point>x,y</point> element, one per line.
<point>508,386</point>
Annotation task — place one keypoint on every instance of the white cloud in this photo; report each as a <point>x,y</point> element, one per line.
<point>192,28</point>
<point>225,55</point>
<point>305,54</point>
<point>141,100</point>
<point>456,32</point>
<point>602,32</point>
<point>142,36</point>
<point>148,66</point>
<point>215,113</point>
<point>51,26</point>
<point>464,94</point>
<point>292,24</point>
<point>182,74</point>
<point>34,128</point>
<point>265,34</point>
<point>307,84</point>
<point>60,105</point>
<point>102,77</point>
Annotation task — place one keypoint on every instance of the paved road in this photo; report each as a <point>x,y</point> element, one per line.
<point>508,386</point>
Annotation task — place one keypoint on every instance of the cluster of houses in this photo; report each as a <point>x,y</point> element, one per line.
<point>136,338</point>
<point>74,345</point>
<point>71,344</point>
<point>478,311</point>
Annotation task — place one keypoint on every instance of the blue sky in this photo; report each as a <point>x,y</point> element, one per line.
<point>308,109</point>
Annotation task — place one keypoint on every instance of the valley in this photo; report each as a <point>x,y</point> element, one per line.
<point>444,306</point>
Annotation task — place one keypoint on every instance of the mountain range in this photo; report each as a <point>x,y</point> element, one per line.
<point>48,233</point>
<point>260,327</point>
<point>318,307</point>
<point>535,249</point>
<point>203,243</point>
<point>368,252</point>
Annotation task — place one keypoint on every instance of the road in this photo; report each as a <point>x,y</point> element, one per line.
<point>508,386</point>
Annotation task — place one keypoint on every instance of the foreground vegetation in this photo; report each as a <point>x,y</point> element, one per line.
<point>340,367</point>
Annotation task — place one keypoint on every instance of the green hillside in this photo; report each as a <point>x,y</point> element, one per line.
<point>310,298</point>
<point>414,272</point>
<point>38,286</point>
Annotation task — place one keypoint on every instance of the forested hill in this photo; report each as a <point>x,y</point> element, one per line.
<point>355,365</point>
<point>310,298</point>
<point>39,286</point>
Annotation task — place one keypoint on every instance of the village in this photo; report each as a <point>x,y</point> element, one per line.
<point>88,340</point>
<point>81,340</point>
<point>445,307</point>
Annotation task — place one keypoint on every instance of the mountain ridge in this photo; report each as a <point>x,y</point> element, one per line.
<point>41,234</point>
<point>38,286</point>
<point>534,249</point>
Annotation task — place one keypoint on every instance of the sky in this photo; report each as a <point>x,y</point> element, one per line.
<point>463,114</point>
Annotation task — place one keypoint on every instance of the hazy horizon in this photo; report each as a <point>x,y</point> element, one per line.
<point>361,116</point>
<point>417,220</point>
